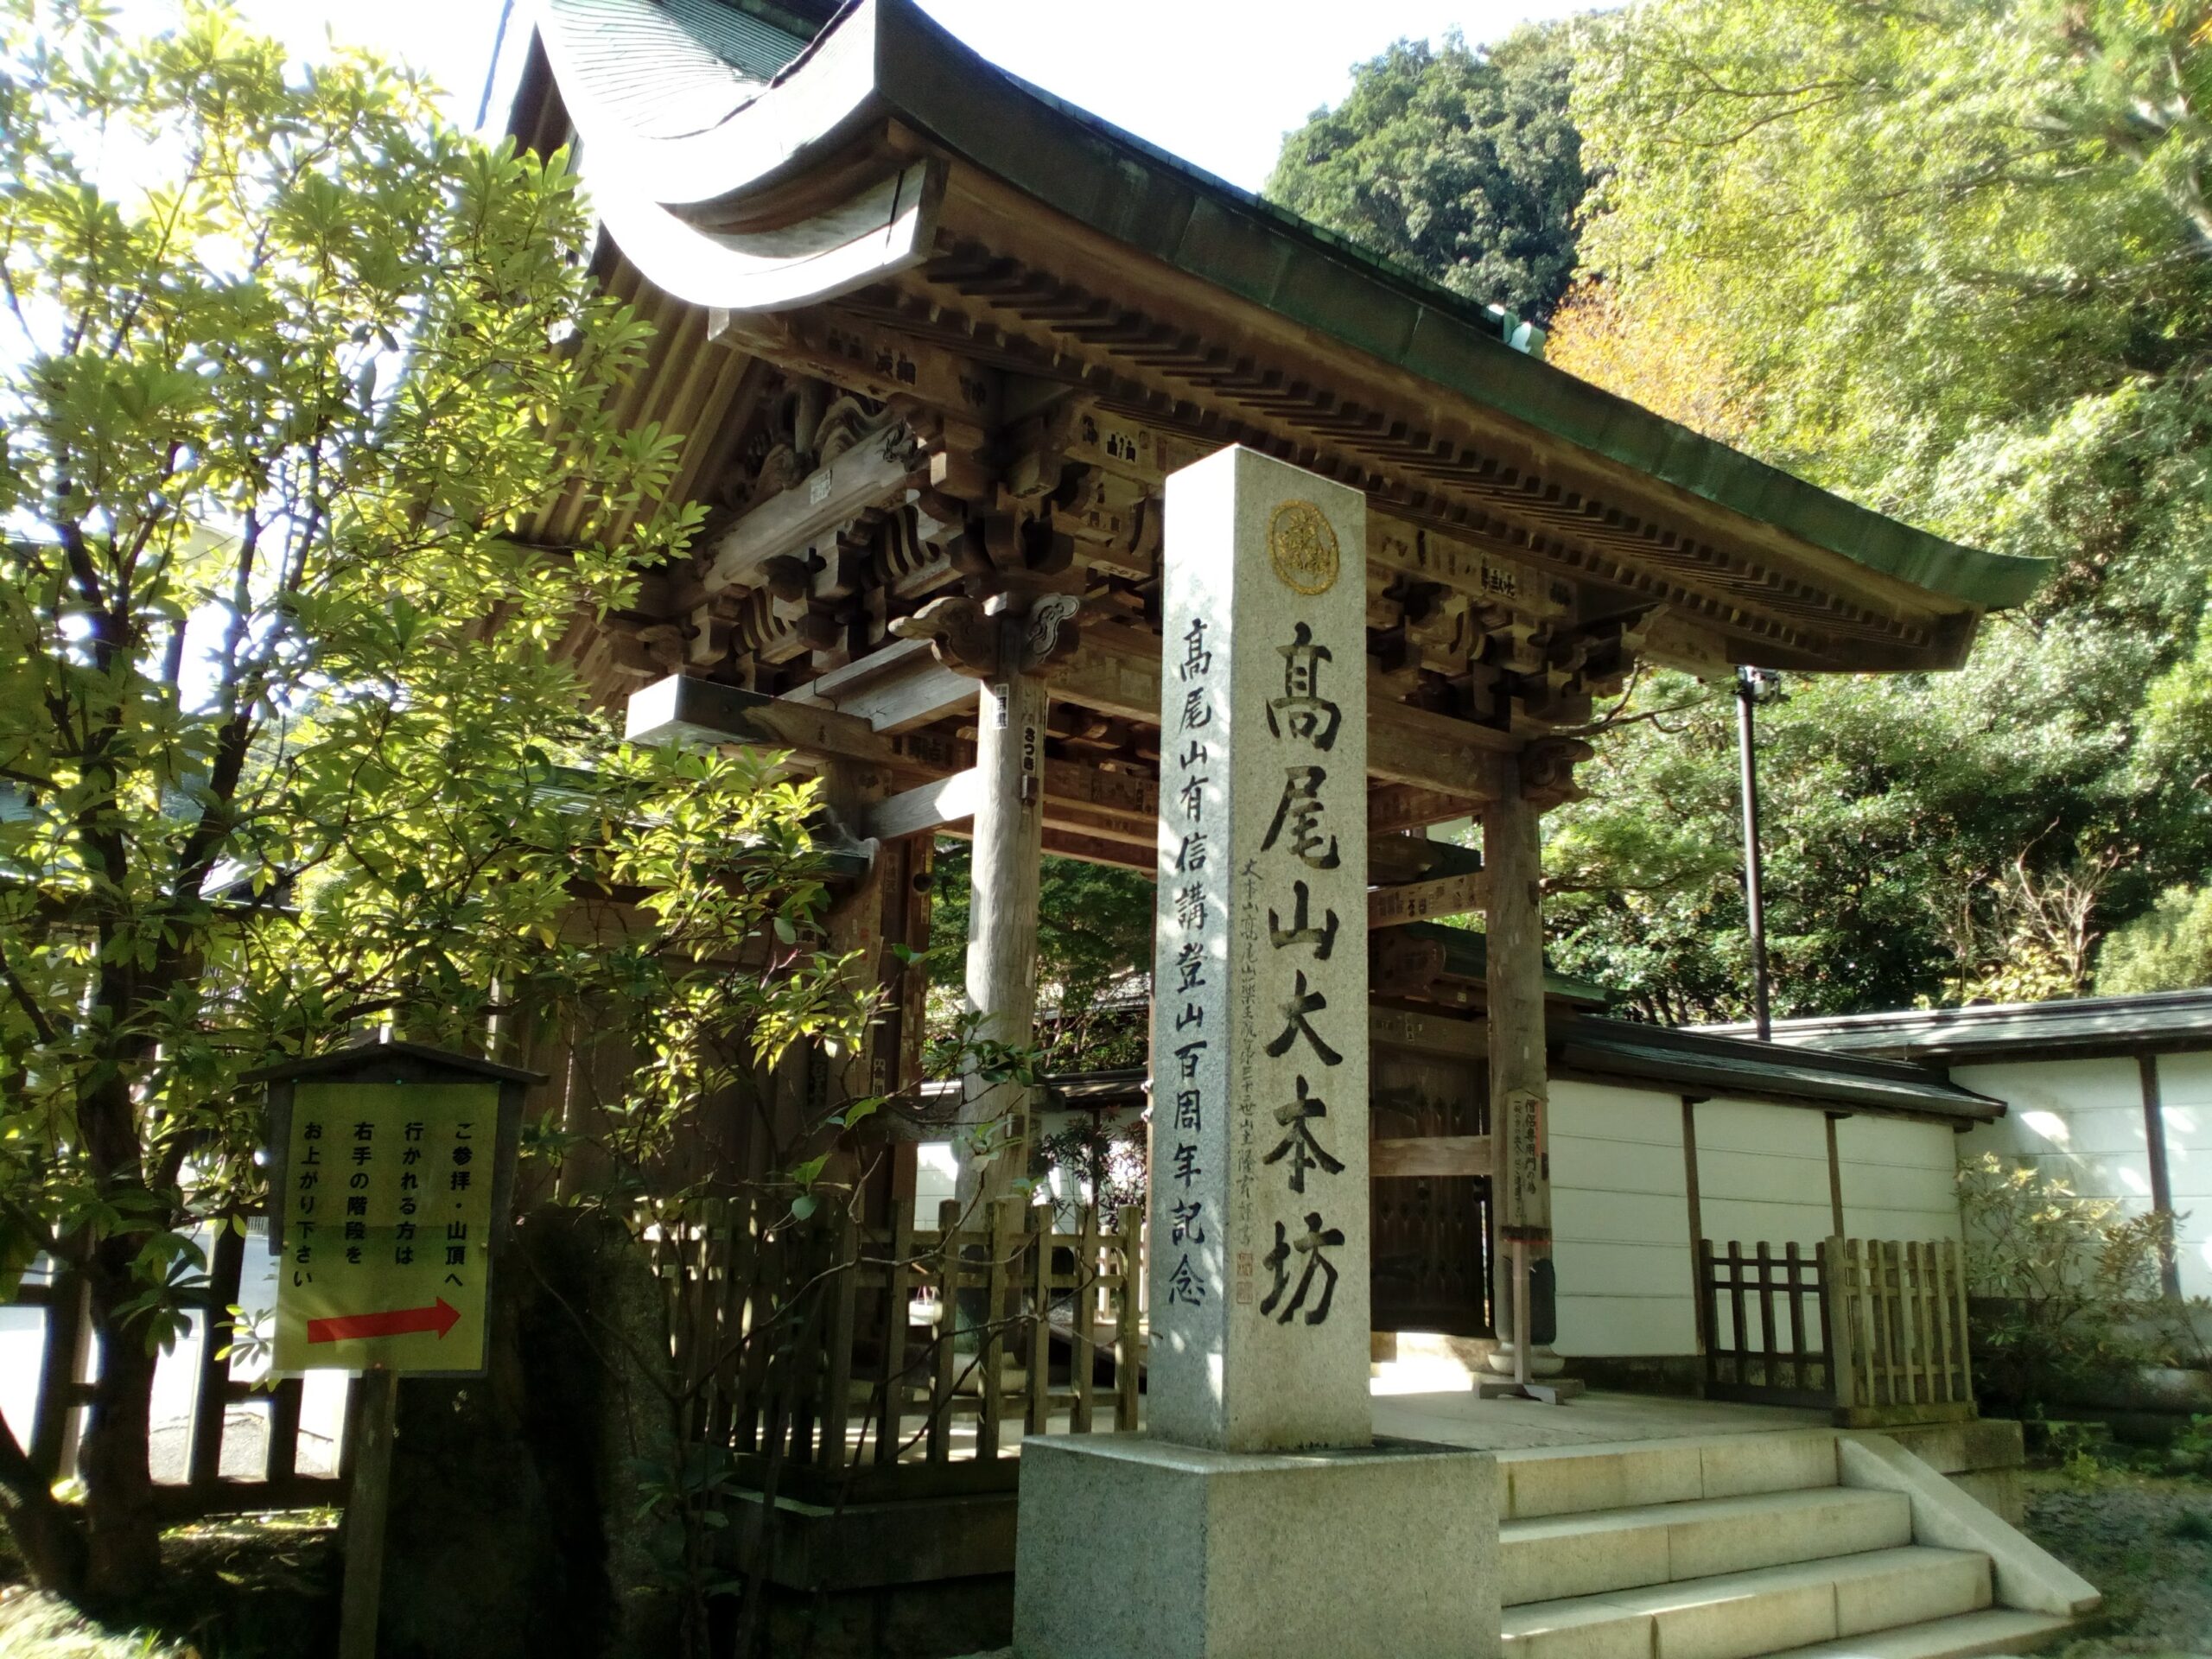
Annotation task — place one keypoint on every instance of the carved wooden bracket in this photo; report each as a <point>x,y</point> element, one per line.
<point>975,637</point>
<point>1049,634</point>
<point>961,635</point>
<point>1547,771</point>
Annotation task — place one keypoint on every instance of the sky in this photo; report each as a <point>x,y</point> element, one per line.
<point>1217,82</point>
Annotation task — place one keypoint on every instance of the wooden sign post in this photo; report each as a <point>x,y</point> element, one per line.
<point>391,1171</point>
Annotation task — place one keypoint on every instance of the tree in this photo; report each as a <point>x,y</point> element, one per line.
<point>1955,259</point>
<point>285,744</point>
<point>1094,936</point>
<point>1459,163</point>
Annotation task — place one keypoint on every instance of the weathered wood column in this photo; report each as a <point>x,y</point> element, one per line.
<point>1009,841</point>
<point>1520,1078</point>
<point>1011,644</point>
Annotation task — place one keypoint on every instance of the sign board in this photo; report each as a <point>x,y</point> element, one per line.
<point>392,1173</point>
<point>387,1226</point>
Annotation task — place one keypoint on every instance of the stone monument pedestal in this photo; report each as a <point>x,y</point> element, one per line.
<point>1131,1547</point>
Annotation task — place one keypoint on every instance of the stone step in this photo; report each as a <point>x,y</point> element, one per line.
<point>1579,1479</point>
<point>2000,1631</point>
<point>1769,1610</point>
<point>1555,1557</point>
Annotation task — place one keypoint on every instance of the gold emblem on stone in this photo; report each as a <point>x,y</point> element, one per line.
<point>1303,548</point>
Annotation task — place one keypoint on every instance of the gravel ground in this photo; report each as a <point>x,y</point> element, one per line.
<point>2146,1542</point>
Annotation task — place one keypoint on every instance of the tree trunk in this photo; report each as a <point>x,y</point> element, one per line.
<point>45,1532</point>
<point>124,1534</point>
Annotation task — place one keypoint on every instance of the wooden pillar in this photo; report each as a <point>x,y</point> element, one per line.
<point>2162,1186</point>
<point>1520,1081</point>
<point>1691,1191</point>
<point>854,922</point>
<point>1009,840</point>
<point>1835,1178</point>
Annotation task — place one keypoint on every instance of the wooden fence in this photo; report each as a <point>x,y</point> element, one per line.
<point>1766,1326</point>
<point>64,1394</point>
<point>837,1359</point>
<point>1900,1330</point>
<point>1872,1329</point>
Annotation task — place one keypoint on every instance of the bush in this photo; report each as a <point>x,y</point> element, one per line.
<point>2065,1291</point>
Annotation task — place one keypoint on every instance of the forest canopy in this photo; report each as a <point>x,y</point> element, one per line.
<point>1953,263</point>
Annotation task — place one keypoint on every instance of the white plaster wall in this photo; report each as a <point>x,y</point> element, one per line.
<point>1762,1173</point>
<point>2185,1089</point>
<point>1900,1179</point>
<point>2080,1119</point>
<point>2084,1120</point>
<point>1620,1222</point>
<point>936,1177</point>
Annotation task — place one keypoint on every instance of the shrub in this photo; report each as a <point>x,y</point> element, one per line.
<point>2065,1290</point>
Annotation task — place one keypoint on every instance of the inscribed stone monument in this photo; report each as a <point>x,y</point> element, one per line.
<point>1259,1194</point>
<point>1257,1516</point>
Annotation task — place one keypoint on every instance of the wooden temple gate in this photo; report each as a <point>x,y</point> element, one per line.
<point>928,346</point>
<point>936,345</point>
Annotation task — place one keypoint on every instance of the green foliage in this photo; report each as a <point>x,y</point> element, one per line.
<point>1956,259</point>
<point>286,750</point>
<point>1458,163</point>
<point>2065,1289</point>
<point>2169,950</point>
<point>2190,1452</point>
<point>1094,932</point>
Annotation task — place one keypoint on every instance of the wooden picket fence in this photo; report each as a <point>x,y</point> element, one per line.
<point>65,1394</point>
<point>895,1359</point>
<point>1900,1319</point>
<point>1872,1329</point>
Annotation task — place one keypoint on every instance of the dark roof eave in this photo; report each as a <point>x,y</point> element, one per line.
<point>1698,1063</point>
<point>2080,1026</point>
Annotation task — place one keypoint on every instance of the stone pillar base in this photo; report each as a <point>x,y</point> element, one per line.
<point>1130,1547</point>
<point>1542,1362</point>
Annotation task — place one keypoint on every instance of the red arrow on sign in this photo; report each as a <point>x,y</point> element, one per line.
<point>400,1322</point>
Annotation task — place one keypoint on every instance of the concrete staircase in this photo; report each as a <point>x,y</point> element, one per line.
<point>1745,1546</point>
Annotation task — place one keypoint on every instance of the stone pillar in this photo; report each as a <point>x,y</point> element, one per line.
<point>1260,1289</point>
<point>1520,1077</point>
<point>1009,840</point>
<point>1257,1516</point>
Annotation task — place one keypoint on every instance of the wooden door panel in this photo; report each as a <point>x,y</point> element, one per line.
<point>1429,1119</point>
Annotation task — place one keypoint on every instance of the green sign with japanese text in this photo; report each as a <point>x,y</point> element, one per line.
<point>387,1215</point>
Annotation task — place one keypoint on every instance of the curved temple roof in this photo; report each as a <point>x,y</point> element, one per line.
<point>886,167</point>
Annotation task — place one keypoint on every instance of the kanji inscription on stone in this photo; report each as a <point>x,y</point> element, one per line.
<point>1260,1190</point>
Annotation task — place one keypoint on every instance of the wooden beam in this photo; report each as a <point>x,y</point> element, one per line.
<point>874,474</point>
<point>1116,671</point>
<point>1393,860</point>
<point>1422,901</point>
<point>1090,849</point>
<point>894,690</point>
<point>1393,807</point>
<point>1430,1155</point>
<point>694,713</point>
<point>1427,1031</point>
<point>935,805</point>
